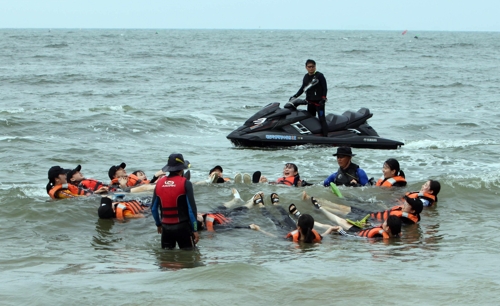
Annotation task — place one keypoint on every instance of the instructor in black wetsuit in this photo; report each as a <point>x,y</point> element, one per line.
<point>316,95</point>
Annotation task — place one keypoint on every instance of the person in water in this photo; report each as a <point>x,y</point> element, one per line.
<point>408,210</point>
<point>348,173</point>
<point>120,181</point>
<point>120,210</point>
<point>392,176</point>
<point>141,176</point>
<point>302,231</point>
<point>58,187</point>
<point>290,177</point>
<point>174,207</point>
<point>315,95</point>
<point>391,228</point>
<point>427,194</point>
<point>224,217</point>
<point>85,186</point>
<point>216,176</point>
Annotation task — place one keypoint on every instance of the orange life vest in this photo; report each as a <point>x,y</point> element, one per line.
<point>133,207</point>
<point>427,196</point>
<point>289,180</point>
<point>91,184</point>
<point>390,181</point>
<point>215,218</point>
<point>374,232</point>
<point>133,180</point>
<point>395,211</point>
<point>63,191</point>
<point>295,235</point>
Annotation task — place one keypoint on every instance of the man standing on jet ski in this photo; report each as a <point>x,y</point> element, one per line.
<point>315,95</point>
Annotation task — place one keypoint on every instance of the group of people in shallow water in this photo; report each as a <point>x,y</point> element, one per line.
<point>175,213</point>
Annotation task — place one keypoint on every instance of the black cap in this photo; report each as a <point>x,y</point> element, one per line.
<point>113,169</point>
<point>175,162</point>
<point>72,172</point>
<point>345,151</point>
<point>55,171</point>
<point>416,204</point>
<point>215,168</point>
<point>105,211</point>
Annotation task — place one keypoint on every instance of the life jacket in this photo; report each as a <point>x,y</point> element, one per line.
<point>390,181</point>
<point>134,207</point>
<point>344,177</point>
<point>172,194</point>
<point>215,218</point>
<point>395,211</point>
<point>79,190</point>
<point>316,92</point>
<point>419,195</point>
<point>295,236</point>
<point>91,184</point>
<point>63,191</point>
<point>373,232</point>
<point>132,180</point>
<point>289,180</point>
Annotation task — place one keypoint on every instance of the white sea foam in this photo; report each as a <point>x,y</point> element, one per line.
<point>448,143</point>
<point>13,110</point>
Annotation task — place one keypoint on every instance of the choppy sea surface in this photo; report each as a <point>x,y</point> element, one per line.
<point>102,97</point>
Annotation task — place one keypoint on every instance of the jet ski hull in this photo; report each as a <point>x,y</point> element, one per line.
<point>273,126</point>
<point>271,139</point>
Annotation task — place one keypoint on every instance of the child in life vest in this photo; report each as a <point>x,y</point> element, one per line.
<point>391,228</point>
<point>427,194</point>
<point>120,210</point>
<point>392,176</point>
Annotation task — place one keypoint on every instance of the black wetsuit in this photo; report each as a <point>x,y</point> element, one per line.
<point>314,96</point>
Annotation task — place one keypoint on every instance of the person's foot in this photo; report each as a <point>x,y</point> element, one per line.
<point>235,193</point>
<point>256,177</point>
<point>293,210</point>
<point>305,196</point>
<point>237,178</point>
<point>258,199</point>
<point>315,203</point>
<point>247,179</point>
<point>275,198</point>
<point>212,178</point>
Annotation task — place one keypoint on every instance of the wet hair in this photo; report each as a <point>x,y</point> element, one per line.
<point>293,165</point>
<point>297,176</point>
<point>49,186</point>
<point>394,165</point>
<point>310,61</point>
<point>394,224</point>
<point>138,171</point>
<point>435,187</point>
<point>306,224</point>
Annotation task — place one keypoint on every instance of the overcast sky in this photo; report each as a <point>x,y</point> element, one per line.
<point>423,15</point>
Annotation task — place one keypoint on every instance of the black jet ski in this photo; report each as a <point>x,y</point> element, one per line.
<point>273,126</point>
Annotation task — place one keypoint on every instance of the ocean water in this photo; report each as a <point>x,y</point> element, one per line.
<point>100,97</point>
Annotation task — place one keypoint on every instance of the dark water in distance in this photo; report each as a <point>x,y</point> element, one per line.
<point>100,97</point>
